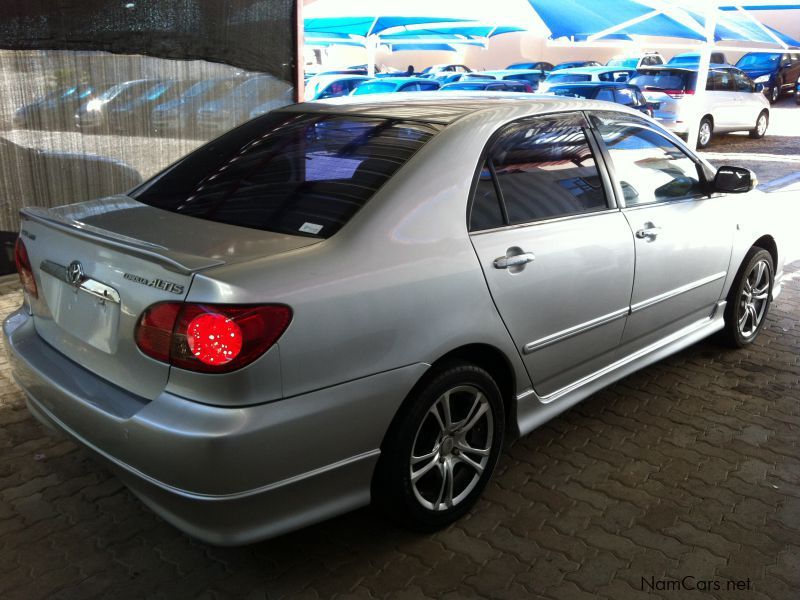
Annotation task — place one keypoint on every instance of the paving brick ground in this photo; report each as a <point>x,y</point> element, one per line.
<point>690,468</point>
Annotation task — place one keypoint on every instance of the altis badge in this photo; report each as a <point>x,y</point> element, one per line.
<point>160,284</point>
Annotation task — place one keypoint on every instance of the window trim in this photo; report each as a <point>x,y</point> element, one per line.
<point>594,148</point>
<point>619,194</point>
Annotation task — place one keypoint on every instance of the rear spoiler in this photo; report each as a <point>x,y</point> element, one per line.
<point>178,262</point>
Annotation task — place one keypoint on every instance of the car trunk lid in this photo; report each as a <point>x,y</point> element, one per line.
<point>98,265</point>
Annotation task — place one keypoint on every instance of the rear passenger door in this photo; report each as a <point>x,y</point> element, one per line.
<point>556,253</point>
<point>723,99</point>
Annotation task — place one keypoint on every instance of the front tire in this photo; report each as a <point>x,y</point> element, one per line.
<point>760,130</point>
<point>749,299</point>
<point>775,92</point>
<point>441,449</point>
<point>705,132</point>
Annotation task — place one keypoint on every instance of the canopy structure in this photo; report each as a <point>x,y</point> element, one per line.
<point>701,24</point>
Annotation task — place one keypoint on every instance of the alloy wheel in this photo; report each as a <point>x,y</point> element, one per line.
<point>452,448</point>
<point>754,299</point>
<point>761,125</point>
<point>705,133</point>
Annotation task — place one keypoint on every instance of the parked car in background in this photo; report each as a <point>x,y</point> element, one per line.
<point>445,68</point>
<point>529,76</point>
<point>179,115</point>
<point>732,101</point>
<point>586,75</point>
<point>232,109</point>
<point>488,85</point>
<point>387,85</point>
<point>331,305</point>
<point>92,116</point>
<point>693,58</point>
<point>445,78</point>
<point>55,111</point>
<point>531,66</point>
<point>332,86</point>
<point>574,64</point>
<point>619,93</point>
<point>133,116</point>
<point>648,59</point>
<point>778,72</point>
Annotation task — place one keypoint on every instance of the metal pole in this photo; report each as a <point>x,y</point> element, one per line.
<point>702,73</point>
<point>372,48</point>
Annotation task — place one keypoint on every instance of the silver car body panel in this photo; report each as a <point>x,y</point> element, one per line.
<point>293,438</point>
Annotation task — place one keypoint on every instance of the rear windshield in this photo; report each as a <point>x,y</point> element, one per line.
<point>665,79</point>
<point>568,78</point>
<point>574,91</point>
<point>299,174</point>
<point>374,87</point>
<point>465,86</point>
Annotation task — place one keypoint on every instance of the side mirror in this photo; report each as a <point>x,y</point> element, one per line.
<point>735,180</point>
<point>759,87</point>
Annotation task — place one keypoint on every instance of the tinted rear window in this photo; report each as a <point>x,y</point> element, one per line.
<point>568,78</point>
<point>665,79</point>
<point>299,174</point>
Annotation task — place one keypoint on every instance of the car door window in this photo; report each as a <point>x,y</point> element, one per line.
<point>544,168</point>
<point>625,96</point>
<point>605,94</point>
<point>720,81</point>
<point>649,167</point>
<point>486,212</point>
<point>743,82</point>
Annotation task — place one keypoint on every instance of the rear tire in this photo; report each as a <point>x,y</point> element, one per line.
<point>762,123</point>
<point>441,448</point>
<point>749,299</point>
<point>775,92</point>
<point>705,132</point>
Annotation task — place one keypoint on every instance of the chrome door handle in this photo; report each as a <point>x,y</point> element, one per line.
<point>649,231</point>
<point>505,262</point>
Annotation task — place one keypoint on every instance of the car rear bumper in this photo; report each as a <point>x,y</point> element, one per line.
<point>224,475</point>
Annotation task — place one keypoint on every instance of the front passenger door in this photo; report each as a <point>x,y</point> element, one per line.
<point>683,236</point>
<point>556,253</point>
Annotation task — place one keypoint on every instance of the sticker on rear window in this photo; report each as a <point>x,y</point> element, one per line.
<point>311,228</point>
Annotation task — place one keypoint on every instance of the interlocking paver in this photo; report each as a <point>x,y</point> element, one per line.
<point>690,467</point>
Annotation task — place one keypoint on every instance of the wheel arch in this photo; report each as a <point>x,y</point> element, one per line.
<point>768,243</point>
<point>489,358</point>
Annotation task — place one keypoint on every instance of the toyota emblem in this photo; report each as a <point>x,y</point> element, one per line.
<point>75,273</point>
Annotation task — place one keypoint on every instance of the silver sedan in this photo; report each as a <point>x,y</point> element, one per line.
<point>359,301</point>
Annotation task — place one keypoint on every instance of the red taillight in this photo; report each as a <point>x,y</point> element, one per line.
<point>210,338</point>
<point>528,88</point>
<point>678,94</point>
<point>24,269</point>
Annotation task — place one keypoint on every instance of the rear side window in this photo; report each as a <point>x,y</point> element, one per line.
<point>544,168</point>
<point>720,81</point>
<point>299,174</point>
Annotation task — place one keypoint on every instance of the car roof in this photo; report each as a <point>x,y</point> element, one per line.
<point>590,70</point>
<point>448,107</point>
<point>325,79</point>
<point>567,84</point>
<point>685,67</point>
<point>400,80</point>
<point>509,72</point>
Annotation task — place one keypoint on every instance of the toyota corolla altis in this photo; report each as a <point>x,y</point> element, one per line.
<point>355,301</point>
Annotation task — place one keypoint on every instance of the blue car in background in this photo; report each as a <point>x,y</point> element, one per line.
<point>531,66</point>
<point>619,93</point>
<point>575,64</point>
<point>56,110</point>
<point>693,58</point>
<point>388,85</point>
<point>179,115</point>
<point>320,87</point>
<point>233,108</point>
<point>778,72</point>
<point>487,85</point>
